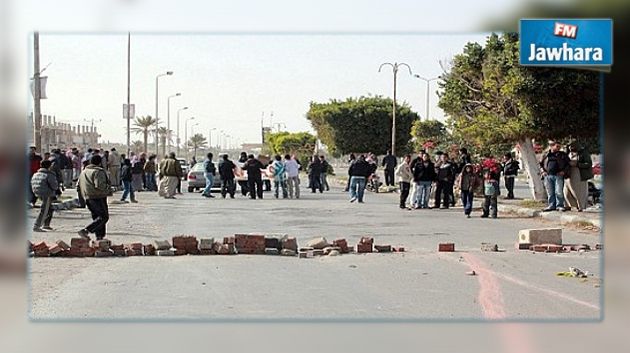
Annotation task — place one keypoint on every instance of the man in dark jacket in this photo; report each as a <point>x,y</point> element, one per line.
<point>359,172</point>
<point>226,172</point>
<point>510,171</point>
<point>126,176</point>
<point>322,177</point>
<point>95,188</point>
<point>351,161</point>
<point>464,159</point>
<point>243,183</point>
<point>209,170</point>
<point>44,184</point>
<point>423,175</point>
<point>314,175</point>
<point>254,177</point>
<point>445,179</point>
<point>390,163</point>
<point>554,167</point>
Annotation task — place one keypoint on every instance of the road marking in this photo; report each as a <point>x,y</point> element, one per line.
<point>490,296</point>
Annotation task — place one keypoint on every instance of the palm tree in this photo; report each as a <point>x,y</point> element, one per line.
<point>196,141</point>
<point>144,125</point>
<point>136,147</point>
<point>164,134</point>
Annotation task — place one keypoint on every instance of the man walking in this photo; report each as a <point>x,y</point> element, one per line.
<point>209,170</point>
<point>44,185</point>
<point>554,167</point>
<point>389,162</point>
<point>359,172</point>
<point>322,177</point>
<point>226,172</point>
<point>293,179</point>
<point>170,174</point>
<point>279,177</point>
<point>510,170</point>
<point>445,180</point>
<point>95,188</point>
<point>34,161</point>
<point>149,173</point>
<point>254,177</point>
<point>314,175</point>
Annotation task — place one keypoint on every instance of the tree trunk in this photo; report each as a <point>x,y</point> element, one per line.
<point>163,142</point>
<point>146,139</point>
<point>532,168</point>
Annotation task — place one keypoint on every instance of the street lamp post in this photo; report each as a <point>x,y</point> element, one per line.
<point>192,133</point>
<point>210,137</point>
<point>395,67</point>
<point>178,135</point>
<point>428,81</point>
<point>157,119</point>
<point>186,134</point>
<point>168,119</point>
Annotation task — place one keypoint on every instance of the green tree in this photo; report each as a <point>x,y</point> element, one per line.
<point>494,103</point>
<point>361,124</point>
<point>195,142</point>
<point>136,147</point>
<point>144,125</point>
<point>302,144</point>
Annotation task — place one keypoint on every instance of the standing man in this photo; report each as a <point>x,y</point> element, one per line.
<point>254,177</point>
<point>75,159</point>
<point>404,178</point>
<point>226,171</point>
<point>243,183</point>
<point>149,173</point>
<point>314,175</point>
<point>510,170</point>
<point>44,185</point>
<point>445,180</point>
<point>279,177</point>
<point>554,167</point>
<point>57,164</point>
<point>423,176</point>
<point>209,170</point>
<point>170,174</point>
<point>127,177</point>
<point>113,165</point>
<point>95,188</point>
<point>580,171</point>
<point>325,168</point>
<point>359,172</point>
<point>34,161</point>
<point>389,162</point>
<point>293,180</point>
<point>351,161</point>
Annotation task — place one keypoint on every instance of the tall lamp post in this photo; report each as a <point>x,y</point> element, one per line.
<point>186,134</point>
<point>395,67</point>
<point>168,119</point>
<point>192,133</point>
<point>178,135</point>
<point>210,137</point>
<point>428,81</point>
<point>157,119</point>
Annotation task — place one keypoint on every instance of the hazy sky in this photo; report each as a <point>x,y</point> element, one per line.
<point>227,81</point>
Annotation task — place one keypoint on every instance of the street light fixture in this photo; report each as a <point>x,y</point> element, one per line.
<point>428,81</point>
<point>186,134</point>
<point>157,119</point>
<point>168,119</point>
<point>210,137</point>
<point>178,135</point>
<point>395,67</point>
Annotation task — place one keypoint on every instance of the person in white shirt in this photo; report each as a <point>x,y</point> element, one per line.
<point>293,180</point>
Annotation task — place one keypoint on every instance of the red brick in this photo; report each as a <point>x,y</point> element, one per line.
<point>341,244</point>
<point>228,240</point>
<point>446,247</point>
<point>41,253</point>
<point>55,249</point>
<point>40,246</point>
<point>289,243</point>
<point>179,252</point>
<point>364,247</point>
<point>149,250</point>
<point>119,252</point>
<point>62,244</point>
<point>366,240</point>
<point>79,243</point>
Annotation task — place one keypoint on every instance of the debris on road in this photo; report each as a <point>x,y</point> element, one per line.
<point>547,248</point>
<point>489,247</point>
<point>342,244</point>
<point>365,245</point>
<point>573,272</point>
<point>540,236</point>
<point>383,248</point>
<point>318,243</point>
<point>471,273</point>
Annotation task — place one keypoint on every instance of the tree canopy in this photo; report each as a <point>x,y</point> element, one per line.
<point>491,100</point>
<point>361,124</point>
<point>302,144</point>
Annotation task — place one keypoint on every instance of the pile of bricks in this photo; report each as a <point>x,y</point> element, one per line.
<point>365,245</point>
<point>254,244</point>
<point>80,247</point>
<point>186,244</point>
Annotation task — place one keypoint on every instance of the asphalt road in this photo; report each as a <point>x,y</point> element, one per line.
<point>420,284</point>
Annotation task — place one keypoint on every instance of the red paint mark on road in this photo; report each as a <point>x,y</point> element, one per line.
<point>490,296</point>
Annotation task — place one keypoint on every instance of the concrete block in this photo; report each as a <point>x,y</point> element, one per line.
<point>287,252</point>
<point>271,242</point>
<point>446,247</point>
<point>334,253</point>
<point>318,243</point>
<point>162,245</point>
<point>523,246</point>
<point>364,248</point>
<point>79,242</point>
<point>328,249</point>
<point>289,243</point>
<point>318,252</point>
<point>489,247</point>
<point>541,236</point>
<point>166,252</point>
<point>206,244</point>
<point>272,251</point>
<point>383,248</point>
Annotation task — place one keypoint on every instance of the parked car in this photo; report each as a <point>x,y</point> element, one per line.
<point>197,180</point>
<point>243,176</point>
<point>185,167</point>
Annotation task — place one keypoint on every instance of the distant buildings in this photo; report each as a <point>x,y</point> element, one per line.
<point>63,135</point>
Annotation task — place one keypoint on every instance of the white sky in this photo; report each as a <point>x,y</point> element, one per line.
<point>227,81</point>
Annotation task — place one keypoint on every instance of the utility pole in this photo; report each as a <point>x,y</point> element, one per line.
<point>37,91</point>
<point>128,93</point>
<point>395,67</point>
<point>428,81</point>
